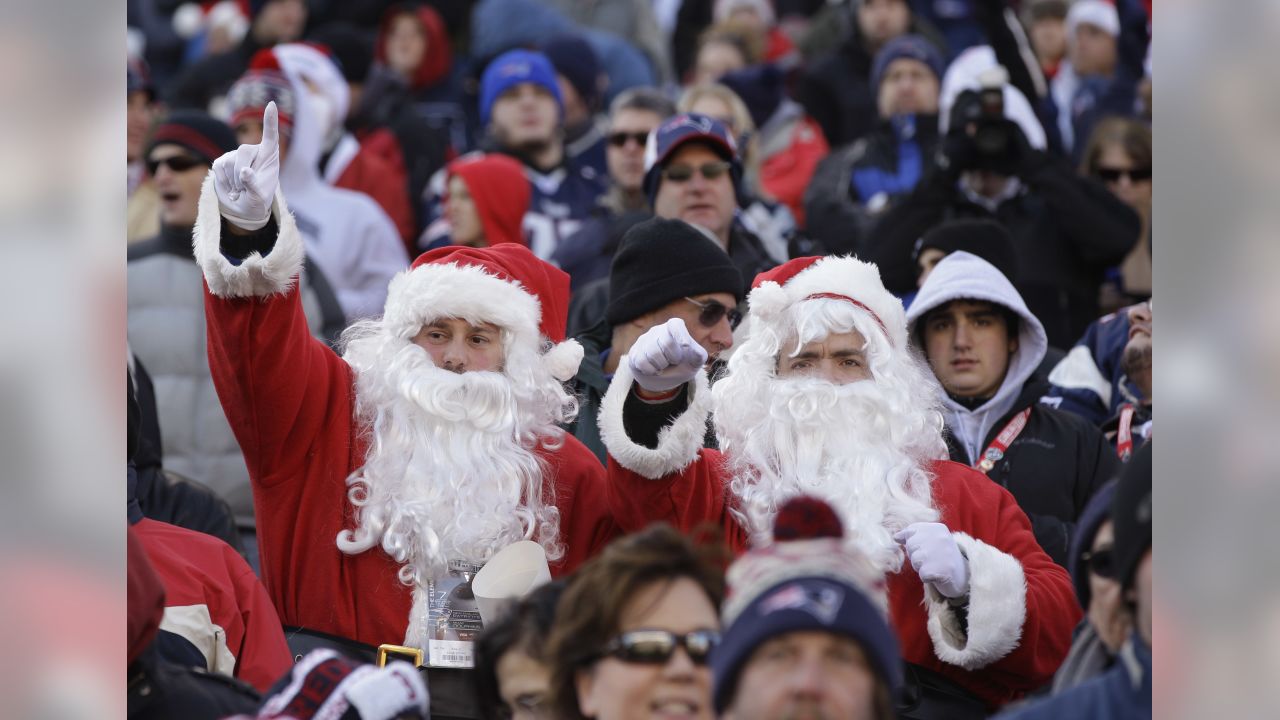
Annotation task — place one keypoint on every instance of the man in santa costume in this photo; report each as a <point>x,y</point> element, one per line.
<point>823,397</point>
<point>432,440</point>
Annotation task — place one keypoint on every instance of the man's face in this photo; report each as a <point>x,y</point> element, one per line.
<point>576,112</point>
<point>626,161</point>
<point>179,189</point>
<point>524,115</point>
<point>1142,596</point>
<point>1049,38</point>
<point>715,337</point>
<point>968,346</point>
<point>883,20</point>
<point>459,346</point>
<point>280,21</point>
<point>138,122</point>
<point>806,674</point>
<point>908,87</point>
<point>249,132</point>
<point>928,260</point>
<point>699,200</point>
<point>715,60</point>
<point>406,44</point>
<point>1094,52</point>
<point>1136,358</point>
<point>840,359</point>
<point>1134,191</point>
<point>460,209</point>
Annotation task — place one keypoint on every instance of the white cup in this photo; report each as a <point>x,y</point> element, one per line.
<point>508,576</point>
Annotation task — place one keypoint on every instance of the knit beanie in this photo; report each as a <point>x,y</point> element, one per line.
<point>263,84</point>
<point>574,58</point>
<point>200,133</point>
<point>1094,515</point>
<point>1131,515</point>
<point>911,47</point>
<point>660,261</point>
<point>985,238</point>
<point>500,191</point>
<point>806,580</point>
<point>513,68</point>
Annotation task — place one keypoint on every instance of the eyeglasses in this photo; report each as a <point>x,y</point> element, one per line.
<point>654,647</point>
<point>709,171</point>
<point>619,139</point>
<point>1111,175</point>
<point>1101,562</point>
<point>176,163</point>
<point>713,310</point>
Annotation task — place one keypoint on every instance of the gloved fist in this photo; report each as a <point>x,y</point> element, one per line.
<point>666,357</point>
<point>246,178</point>
<point>936,557</point>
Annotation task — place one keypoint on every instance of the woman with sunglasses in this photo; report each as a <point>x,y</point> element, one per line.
<point>634,630</point>
<point>1119,156</point>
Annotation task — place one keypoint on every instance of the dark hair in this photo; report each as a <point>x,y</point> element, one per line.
<point>1012,320</point>
<point>591,608</point>
<point>524,628</point>
<point>1133,135</point>
<point>643,98</point>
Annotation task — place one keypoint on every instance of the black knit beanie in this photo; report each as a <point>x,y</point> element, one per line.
<point>987,239</point>
<point>663,260</point>
<point>1131,516</point>
<point>202,134</point>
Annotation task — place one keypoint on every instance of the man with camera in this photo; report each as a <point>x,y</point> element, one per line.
<point>1067,229</point>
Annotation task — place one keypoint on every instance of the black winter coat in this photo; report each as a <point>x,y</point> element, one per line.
<point>1052,468</point>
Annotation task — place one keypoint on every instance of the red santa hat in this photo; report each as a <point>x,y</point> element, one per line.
<point>504,284</point>
<point>832,278</point>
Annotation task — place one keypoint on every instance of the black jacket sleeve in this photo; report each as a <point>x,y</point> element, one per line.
<point>1098,225</point>
<point>892,240</point>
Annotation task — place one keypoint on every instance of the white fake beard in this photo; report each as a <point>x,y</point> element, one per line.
<point>841,443</point>
<point>451,472</point>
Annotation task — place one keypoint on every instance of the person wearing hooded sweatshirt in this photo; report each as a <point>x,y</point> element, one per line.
<point>413,45</point>
<point>350,238</point>
<point>488,196</point>
<point>984,346</point>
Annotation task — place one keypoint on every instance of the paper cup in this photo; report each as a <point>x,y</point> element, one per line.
<point>509,575</point>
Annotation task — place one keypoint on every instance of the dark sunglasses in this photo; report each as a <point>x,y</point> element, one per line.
<point>1114,174</point>
<point>1101,562</point>
<point>176,163</point>
<point>654,647</point>
<point>709,170</point>
<point>713,310</point>
<point>619,139</point>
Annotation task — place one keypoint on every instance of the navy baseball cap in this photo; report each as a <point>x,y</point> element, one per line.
<point>680,130</point>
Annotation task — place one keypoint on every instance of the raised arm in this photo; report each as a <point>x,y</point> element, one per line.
<point>278,385</point>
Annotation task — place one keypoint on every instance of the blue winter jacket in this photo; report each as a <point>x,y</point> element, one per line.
<point>1122,693</point>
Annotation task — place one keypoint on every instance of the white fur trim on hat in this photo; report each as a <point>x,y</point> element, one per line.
<point>678,443</point>
<point>468,292</point>
<point>846,276</point>
<point>255,276</point>
<point>997,609</point>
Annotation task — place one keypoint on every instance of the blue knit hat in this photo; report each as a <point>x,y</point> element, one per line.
<point>912,47</point>
<point>512,68</point>
<point>805,581</point>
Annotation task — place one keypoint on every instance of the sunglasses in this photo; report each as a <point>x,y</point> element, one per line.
<point>619,139</point>
<point>709,171</point>
<point>176,163</point>
<point>1114,174</point>
<point>713,311</point>
<point>1101,562</point>
<point>654,647</point>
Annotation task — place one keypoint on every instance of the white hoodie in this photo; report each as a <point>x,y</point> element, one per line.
<point>963,276</point>
<point>346,233</point>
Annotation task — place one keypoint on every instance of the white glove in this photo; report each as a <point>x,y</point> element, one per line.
<point>665,357</point>
<point>246,178</point>
<point>936,557</point>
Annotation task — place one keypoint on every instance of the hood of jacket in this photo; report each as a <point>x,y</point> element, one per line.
<point>437,61</point>
<point>321,96</point>
<point>964,276</point>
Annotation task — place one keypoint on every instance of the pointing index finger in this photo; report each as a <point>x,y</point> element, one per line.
<point>271,126</point>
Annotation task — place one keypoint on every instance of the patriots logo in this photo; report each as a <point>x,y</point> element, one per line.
<point>821,602</point>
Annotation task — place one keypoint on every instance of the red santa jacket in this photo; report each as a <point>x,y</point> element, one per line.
<point>213,599</point>
<point>290,401</point>
<point>1021,605</point>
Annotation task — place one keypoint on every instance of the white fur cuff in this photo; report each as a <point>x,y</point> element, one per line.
<point>678,443</point>
<point>255,276</point>
<point>997,609</point>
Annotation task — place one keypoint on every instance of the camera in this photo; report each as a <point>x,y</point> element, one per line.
<point>980,114</point>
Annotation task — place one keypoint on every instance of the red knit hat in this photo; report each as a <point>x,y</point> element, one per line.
<point>501,193</point>
<point>831,277</point>
<point>504,284</point>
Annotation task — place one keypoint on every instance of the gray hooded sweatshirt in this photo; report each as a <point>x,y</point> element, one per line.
<point>964,276</point>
